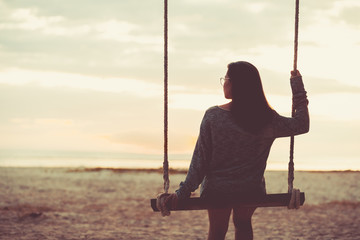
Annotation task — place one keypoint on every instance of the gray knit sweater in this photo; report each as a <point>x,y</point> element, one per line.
<point>228,161</point>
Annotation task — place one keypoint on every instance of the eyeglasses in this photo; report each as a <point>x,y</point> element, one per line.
<point>223,79</point>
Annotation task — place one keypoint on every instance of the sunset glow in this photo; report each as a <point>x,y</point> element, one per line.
<point>92,80</point>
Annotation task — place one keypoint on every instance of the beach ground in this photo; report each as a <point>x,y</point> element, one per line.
<point>62,203</point>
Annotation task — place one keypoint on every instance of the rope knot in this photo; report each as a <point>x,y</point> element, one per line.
<point>161,204</point>
<point>295,199</point>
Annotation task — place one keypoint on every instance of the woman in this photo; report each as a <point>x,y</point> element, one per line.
<point>230,156</point>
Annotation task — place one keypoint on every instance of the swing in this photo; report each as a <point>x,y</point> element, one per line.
<point>294,196</point>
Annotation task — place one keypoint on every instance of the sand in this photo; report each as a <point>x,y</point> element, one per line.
<point>60,203</point>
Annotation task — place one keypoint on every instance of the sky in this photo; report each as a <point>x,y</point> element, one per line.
<point>88,75</point>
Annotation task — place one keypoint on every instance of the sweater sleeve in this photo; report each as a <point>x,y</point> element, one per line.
<point>299,123</point>
<point>199,162</point>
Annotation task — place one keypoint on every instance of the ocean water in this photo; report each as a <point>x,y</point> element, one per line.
<point>76,159</point>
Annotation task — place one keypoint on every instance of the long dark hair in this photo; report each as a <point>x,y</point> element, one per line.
<point>249,105</point>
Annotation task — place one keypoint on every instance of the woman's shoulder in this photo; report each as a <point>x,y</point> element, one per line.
<point>216,110</point>
<point>216,114</point>
<point>210,112</point>
<point>219,108</point>
<point>212,109</point>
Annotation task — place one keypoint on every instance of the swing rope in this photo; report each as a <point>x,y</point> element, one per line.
<point>291,161</point>
<point>166,162</point>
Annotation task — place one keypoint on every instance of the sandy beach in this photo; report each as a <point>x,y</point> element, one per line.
<point>64,203</point>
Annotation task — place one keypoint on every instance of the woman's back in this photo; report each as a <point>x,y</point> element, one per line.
<point>238,158</point>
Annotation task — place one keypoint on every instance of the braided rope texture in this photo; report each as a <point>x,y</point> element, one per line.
<point>292,140</point>
<point>166,162</point>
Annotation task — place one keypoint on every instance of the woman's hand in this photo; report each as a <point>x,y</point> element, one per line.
<point>295,74</point>
<point>172,201</point>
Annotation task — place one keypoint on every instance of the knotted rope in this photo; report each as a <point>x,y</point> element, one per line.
<point>294,202</point>
<point>166,162</point>
<point>291,162</point>
<point>160,202</point>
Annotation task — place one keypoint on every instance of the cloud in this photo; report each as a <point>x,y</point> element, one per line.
<point>100,84</point>
<point>117,38</point>
<point>36,38</point>
<point>32,101</point>
<point>111,29</point>
<point>124,38</point>
<point>26,19</point>
<point>121,121</point>
<point>351,16</point>
<point>279,84</point>
<point>121,31</point>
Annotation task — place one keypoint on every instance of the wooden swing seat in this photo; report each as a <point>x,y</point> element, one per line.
<point>269,200</point>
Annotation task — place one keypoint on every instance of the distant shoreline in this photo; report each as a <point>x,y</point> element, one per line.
<point>160,170</point>
<point>128,170</point>
<point>184,171</point>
